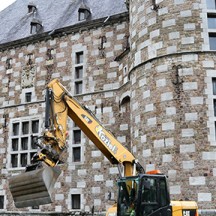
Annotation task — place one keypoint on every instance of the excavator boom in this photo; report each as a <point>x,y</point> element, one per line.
<point>34,187</point>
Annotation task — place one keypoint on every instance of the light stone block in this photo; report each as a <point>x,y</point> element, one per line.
<point>152,121</point>
<point>96,153</point>
<point>168,23</point>
<point>166,96</point>
<point>186,13</point>
<point>162,68</point>
<point>96,165</point>
<point>169,142</point>
<point>113,170</point>
<point>147,153</point>
<point>190,86</point>
<point>189,26</point>
<point>176,189</point>
<point>188,148</point>
<point>191,116</point>
<point>95,190</point>
<point>204,197</point>
<point>59,197</point>
<point>159,143</point>
<point>208,64</point>
<point>209,155</point>
<point>149,108</point>
<point>81,184</point>
<point>172,174</point>
<point>197,100</point>
<point>146,94</point>
<point>98,178</point>
<point>187,40</point>
<point>197,180</point>
<point>187,132</point>
<point>170,111</point>
<point>109,183</point>
<point>142,82</point>
<point>167,158</point>
<point>161,83</point>
<point>188,165</point>
<point>168,126</point>
<point>123,127</point>
<point>143,139</point>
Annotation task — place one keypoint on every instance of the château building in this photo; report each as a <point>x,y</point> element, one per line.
<point>145,68</point>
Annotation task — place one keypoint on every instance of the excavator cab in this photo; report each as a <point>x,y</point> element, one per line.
<point>144,194</point>
<point>35,186</point>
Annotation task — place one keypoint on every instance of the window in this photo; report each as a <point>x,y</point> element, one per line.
<point>211,4</point>
<point>76,154</point>
<point>78,72</point>
<point>79,58</point>
<point>78,87</point>
<point>77,136</point>
<point>76,144</point>
<point>1,202</point>
<point>75,201</point>
<point>212,41</point>
<point>214,85</point>
<point>212,21</point>
<point>214,104</point>
<point>28,97</point>
<point>22,148</point>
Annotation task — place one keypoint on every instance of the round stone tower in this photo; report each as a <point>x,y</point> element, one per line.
<point>172,83</point>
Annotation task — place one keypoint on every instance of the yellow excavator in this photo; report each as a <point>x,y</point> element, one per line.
<point>139,193</point>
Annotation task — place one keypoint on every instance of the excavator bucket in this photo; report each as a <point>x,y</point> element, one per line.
<point>33,188</point>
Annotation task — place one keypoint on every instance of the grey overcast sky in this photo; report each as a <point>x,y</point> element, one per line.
<point>5,3</point>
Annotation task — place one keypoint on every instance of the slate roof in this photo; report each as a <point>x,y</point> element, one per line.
<point>54,14</point>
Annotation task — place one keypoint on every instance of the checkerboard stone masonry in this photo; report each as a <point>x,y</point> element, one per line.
<point>156,99</point>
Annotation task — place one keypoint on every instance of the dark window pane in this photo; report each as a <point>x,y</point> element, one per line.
<point>214,86</point>
<point>25,127</point>
<point>211,4</point>
<point>24,143</point>
<point>32,154</point>
<point>28,97</point>
<point>1,202</point>
<point>78,87</point>
<point>81,15</point>
<point>33,28</point>
<point>79,57</point>
<point>33,144</point>
<point>211,21</point>
<point>14,160</point>
<point>212,41</point>
<point>79,72</point>
<point>75,198</point>
<point>15,144</point>
<point>76,154</point>
<point>23,159</point>
<point>16,129</point>
<point>35,126</point>
<point>76,136</point>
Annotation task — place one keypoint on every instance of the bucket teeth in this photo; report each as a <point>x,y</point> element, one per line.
<point>35,187</point>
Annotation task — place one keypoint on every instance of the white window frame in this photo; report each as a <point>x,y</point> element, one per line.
<point>19,136</point>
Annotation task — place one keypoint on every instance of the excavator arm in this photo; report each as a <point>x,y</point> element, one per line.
<point>59,106</point>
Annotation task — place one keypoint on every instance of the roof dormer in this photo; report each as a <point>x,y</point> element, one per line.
<point>84,12</point>
<point>36,26</point>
